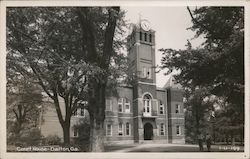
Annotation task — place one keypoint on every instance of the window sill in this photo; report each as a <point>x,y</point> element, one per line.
<point>125,113</point>
<point>78,116</point>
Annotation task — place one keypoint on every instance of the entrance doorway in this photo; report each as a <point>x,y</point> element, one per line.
<point>148,131</point>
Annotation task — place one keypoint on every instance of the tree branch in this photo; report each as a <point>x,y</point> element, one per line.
<point>87,34</point>
<point>109,36</point>
<point>42,84</point>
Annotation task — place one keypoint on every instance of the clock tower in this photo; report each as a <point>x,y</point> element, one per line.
<point>141,54</point>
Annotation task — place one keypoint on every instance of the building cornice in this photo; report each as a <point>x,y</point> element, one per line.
<point>153,84</point>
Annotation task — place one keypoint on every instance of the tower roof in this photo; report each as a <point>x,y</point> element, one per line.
<point>171,83</point>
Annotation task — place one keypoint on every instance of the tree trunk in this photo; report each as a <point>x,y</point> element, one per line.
<point>97,117</point>
<point>97,137</point>
<point>18,128</point>
<point>66,134</point>
<point>65,124</point>
<point>227,139</point>
<point>232,140</point>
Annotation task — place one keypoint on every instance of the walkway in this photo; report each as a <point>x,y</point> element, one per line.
<point>154,147</point>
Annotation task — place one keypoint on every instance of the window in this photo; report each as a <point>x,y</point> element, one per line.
<point>120,129</point>
<point>127,106</point>
<point>109,130</point>
<point>120,105</point>
<point>178,130</point>
<point>162,129</point>
<point>147,72</point>
<point>144,71</point>
<point>108,105</point>
<point>75,133</point>
<point>79,112</point>
<point>147,103</point>
<point>127,129</point>
<point>145,37</point>
<point>177,108</point>
<point>150,38</point>
<point>82,111</point>
<point>75,113</point>
<point>161,108</point>
<point>140,35</point>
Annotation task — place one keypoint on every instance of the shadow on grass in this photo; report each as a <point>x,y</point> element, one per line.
<point>110,148</point>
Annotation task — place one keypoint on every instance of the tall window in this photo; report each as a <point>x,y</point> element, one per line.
<point>127,105</point>
<point>75,113</point>
<point>79,112</point>
<point>82,111</point>
<point>108,105</point>
<point>162,129</point>
<point>120,105</point>
<point>144,72</point>
<point>177,108</point>
<point>145,36</point>
<point>140,35</point>
<point>75,133</point>
<point>147,73</point>
<point>109,130</point>
<point>120,129</point>
<point>161,111</point>
<point>147,103</point>
<point>127,129</point>
<point>178,130</point>
<point>150,38</point>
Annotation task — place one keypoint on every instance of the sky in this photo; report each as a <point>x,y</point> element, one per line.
<point>170,24</point>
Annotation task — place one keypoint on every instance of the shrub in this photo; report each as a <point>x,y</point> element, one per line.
<point>52,140</point>
<point>31,137</point>
<point>84,132</point>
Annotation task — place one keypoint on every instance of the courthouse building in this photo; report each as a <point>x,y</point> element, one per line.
<point>142,112</point>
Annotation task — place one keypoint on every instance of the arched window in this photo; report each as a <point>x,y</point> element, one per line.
<point>145,37</point>
<point>150,38</point>
<point>108,130</point>
<point>127,129</point>
<point>109,105</point>
<point>140,35</point>
<point>120,105</point>
<point>177,108</point>
<point>161,110</point>
<point>162,129</point>
<point>127,105</point>
<point>178,130</point>
<point>147,100</point>
<point>120,129</point>
<point>75,132</point>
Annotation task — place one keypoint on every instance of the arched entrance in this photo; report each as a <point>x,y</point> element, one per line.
<point>148,131</point>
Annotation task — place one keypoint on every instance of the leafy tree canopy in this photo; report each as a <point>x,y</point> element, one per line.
<point>214,68</point>
<point>219,63</point>
<point>65,49</point>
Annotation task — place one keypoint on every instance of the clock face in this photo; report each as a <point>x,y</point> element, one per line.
<point>145,25</point>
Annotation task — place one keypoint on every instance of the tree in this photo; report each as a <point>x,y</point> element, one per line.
<point>71,53</point>
<point>23,102</point>
<point>228,124</point>
<point>199,106</point>
<point>38,48</point>
<point>100,50</point>
<point>218,64</point>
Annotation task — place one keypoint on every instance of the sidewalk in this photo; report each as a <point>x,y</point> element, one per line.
<point>154,147</point>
